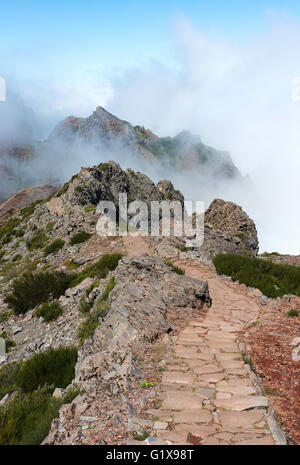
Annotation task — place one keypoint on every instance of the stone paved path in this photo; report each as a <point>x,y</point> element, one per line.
<point>209,395</point>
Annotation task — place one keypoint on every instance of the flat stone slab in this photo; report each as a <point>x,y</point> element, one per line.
<point>174,436</point>
<point>160,425</point>
<point>185,349</point>
<point>237,390</point>
<point>228,356</point>
<point>223,395</point>
<point>266,441</point>
<point>175,400</point>
<point>177,377</point>
<point>242,402</point>
<point>240,419</point>
<point>194,330</point>
<point>190,355</point>
<point>196,429</point>
<point>208,369</point>
<point>232,364</point>
<point>199,362</point>
<point>222,335</point>
<point>225,347</point>
<point>193,416</point>
<point>212,378</point>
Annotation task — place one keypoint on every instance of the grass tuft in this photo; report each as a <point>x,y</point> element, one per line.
<point>272,279</point>
<point>49,311</point>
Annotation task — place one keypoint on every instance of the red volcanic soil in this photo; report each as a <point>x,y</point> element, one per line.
<point>271,351</point>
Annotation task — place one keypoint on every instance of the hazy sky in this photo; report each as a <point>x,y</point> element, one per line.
<point>227,71</point>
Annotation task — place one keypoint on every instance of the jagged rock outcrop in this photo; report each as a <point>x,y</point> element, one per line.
<point>227,229</point>
<point>235,227</point>
<point>107,180</point>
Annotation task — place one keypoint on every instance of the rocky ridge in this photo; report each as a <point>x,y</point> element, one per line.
<point>148,305</point>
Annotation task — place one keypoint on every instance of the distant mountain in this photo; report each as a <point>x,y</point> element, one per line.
<point>75,142</point>
<point>184,151</point>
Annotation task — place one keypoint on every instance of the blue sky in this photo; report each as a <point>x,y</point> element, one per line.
<point>46,37</point>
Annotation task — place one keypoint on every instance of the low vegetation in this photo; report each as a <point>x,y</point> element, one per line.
<point>28,211</point>
<point>100,269</point>
<point>88,327</point>
<point>54,247</point>
<point>4,316</point>
<point>49,311</point>
<point>37,241</point>
<point>293,312</point>
<point>33,289</point>
<point>182,248</point>
<point>55,367</point>
<point>49,226</point>
<point>175,268</point>
<point>90,208</point>
<point>8,374</point>
<point>8,230</point>
<point>270,254</point>
<point>27,418</point>
<point>272,279</point>
<point>80,237</point>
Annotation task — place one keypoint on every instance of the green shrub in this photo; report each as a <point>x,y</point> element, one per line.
<point>90,208</point>
<point>4,316</point>
<point>80,237</point>
<point>49,226</point>
<point>88,327</point>
<point>19,233</point>
<point>270,254</point>
<point>272,279</point>
<point>7,230</point>
<point>49,311</point>
<point>79,189</point>
<point>37,241</point>
<point>71,393</point>
<point>71,265</point>
<point>26,420</point>
<point>8,374</point>
<point>55,368</point>
<point>175,268</point>
<point>54,246</point>
<point>17,257</point>
<point>99,269</point>
<point>293,312</point>
<point>182,248</point>
<point>33,289</point>
<point>85,305</point>
<point>28,211</point>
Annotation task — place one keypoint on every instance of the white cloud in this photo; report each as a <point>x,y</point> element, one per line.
<point>238,98</point>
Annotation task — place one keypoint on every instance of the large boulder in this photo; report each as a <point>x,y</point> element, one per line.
<point>228,229</point>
